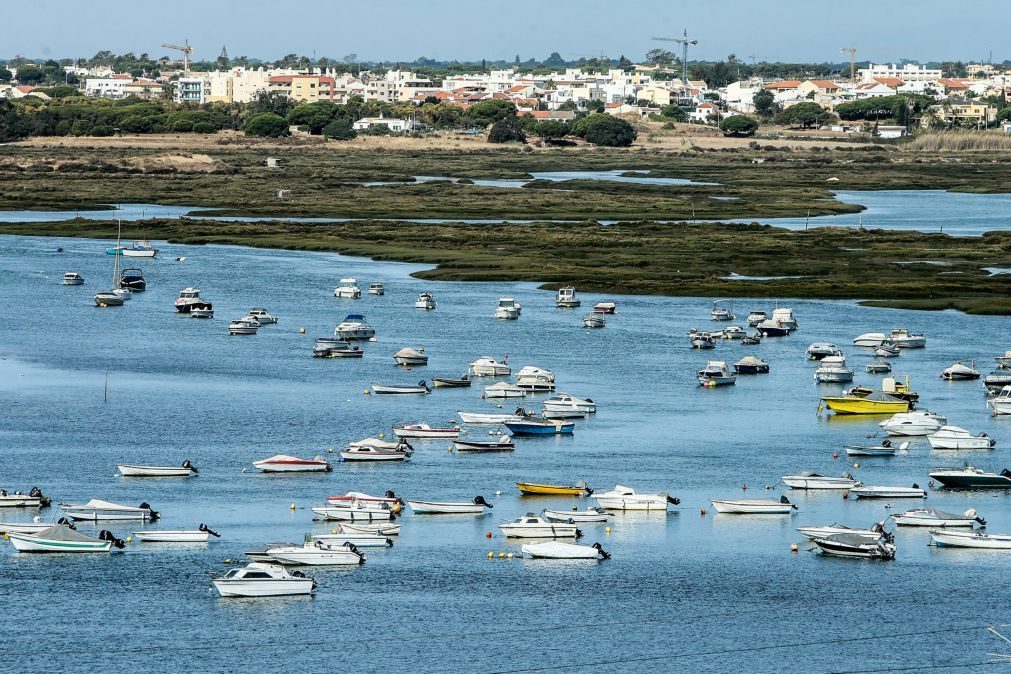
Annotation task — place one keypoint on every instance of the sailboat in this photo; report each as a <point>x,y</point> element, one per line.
<point>117,296</point>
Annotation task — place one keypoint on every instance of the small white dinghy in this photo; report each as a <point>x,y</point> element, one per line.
<point>97,509</point>
<point>63,538</point>
<point>377,528</point>
<point>833,529</point>
<point>356,512</point>
<point>808,480</point>
<point>475,507</point>
<point>391,499</point>
<point>365,540</point>
<point>33,499</point>
<point>410,357</point>
<point>754,506</point>
<point>929,517</point>
<point>535,526</point>
<point>877,491</point>
<point>504,389</point>
<point>944,538</point>
<point>559,550</point>
<point>423,430</point>
<point>199,535</point>
<point>285,463</point>
<point>263,580</point>
<point>626,498</point>
<point>317,553</point>
<point>185,470</point>
<point>572,516</point>
<point>25,527</point>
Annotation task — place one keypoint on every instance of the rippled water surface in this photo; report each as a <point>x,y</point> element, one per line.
<point>683,592</point>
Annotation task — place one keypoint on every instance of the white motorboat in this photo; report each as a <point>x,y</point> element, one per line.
<point>564,414</point>
<point>33,499</point>
<point>626,498</point>
<point>109,299</point>
<point>1004,361</point>
<point>423,430</point>
<point>716,373</point>
<point>877,491</point>
<point>482,418</point>
<point>377,289</point>
<point>566,298</point>
<point>262,316</point>
<point>356,512</point>
<point>285,463</point>
<point>138,249</point>
<point>756,317</point>
<point>605,308</point>
<point>833,529</point>
<point>1001,403</point>
<point>243,326</point>
<point>354,328</point>
<point>187,469</point>
<point>929,517</point>
<point>412,357</point>
<point>535,526</point>
<point>563,402</point>
<point>870,339</point>
<point>960,370</point>
<point>508,309</point>
<point>996,381</point>
<point>26,527</point>
<point>400,389</point>
<point>883,449</point>
<point>259,579</point>
<point>332,347</point>
<point>97,509</point>
<point>888,349</point>
<point>72,278</point>
<point>594,320</point>
<point>849,545</point>
<point>486,366</point>
<point>954,437</point>
<point>316,553</point>
<point>504,389</point>
<point>559,550</point>
<point>785,316</point>
<point>572,516</point>
<point>904,339</point>
<point>189,299</point>
<point>917,423</point>
<point>369,539</point>
<point>734,332</point>
<point>722,311</point>
<point>970,477</point>
<point>202,312</point>
<point>475,507</point>
<point>820,350</point>
<point>970,539</point>
<point>63,538</point>
<point>374,528</point>
<point>390,499</point>
<point>878,367</point>
<point>401,452</point>
<point>808,480</point>
<point>833,370</point>
<point>199,535</point>
<point>348,289</point>
<point>754,506</point>
<point>533,378</point>
<point>425,301</point>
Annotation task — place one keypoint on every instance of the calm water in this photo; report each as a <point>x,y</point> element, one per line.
<point>683,592</point>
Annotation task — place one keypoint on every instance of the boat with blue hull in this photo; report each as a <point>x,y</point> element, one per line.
<point>540,427</point>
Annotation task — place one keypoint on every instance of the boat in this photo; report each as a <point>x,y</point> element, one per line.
<point>955,437</point>
<point>997,380</point>
<point>929,517</point>
<point>503,444</point>
<point>332,347</point>
<point>888,349</point>
<point>367,452</point>
<point>877,491</point>
<point>875,403</point>
<point>354,328</point>
<point>33,499</point>
<point>377,289</point>
<point>27,527</point>
<point>884,449</point>
<point>751,365</point>
<point>891,386</point>
<point>605,308</point>
<point>1001,403</point>
<point>716,373</point>
<point>756,317</point>
<point>970,477</point>
<point>734,332</point>
<point>504,389</point>
<point>356,512</point>
<point>369,539</point>
<point>63,538</point>
<point>486,366</point>
<point>820,350</point>
<point>535,526</point>
<point>566,298</point>
<point>773,328</point>
<point>833,529</point>
<point>262,316</point>
<point>850,545</point>
<point>563,414</point>
<point>538,489</point>
<point>316,553</point>
<point>904,339</point>
<point>243,326</point>
<point>869,339</point>
<point>398,389</point>
<point>409,356</point>
<point>475,507</point>
<point>259,579</point>
<point>626,498</point>
<point>566,401</point>
<point>702,340</point>
<point>785,316</point>
<point>540,427</point>
<point>189,299</point>
<point>960,370</point>
<point>285,463</point>
<point>135,249</point>
<point>720,312</point>
<point>573,516</point>
<point>508,309</point>
<point>390,500</point>
<point>1004,361</point>
<point>97,509</point>
<point>202,312</point>
<point>970,539</point>
<point>533,378</point>
<point>451,382</point>
<point>425,301</point>
<point>199,535</point>
<point>559,550</point>
<point>115,297</point>
<point>878,366</point>
<point>186,469</point>
<point>916,423</point>
<point>833,370</point>
<point>348,289</point>
<point>423,430</point>
<point>808,480</point>
<point>594,320</point>
<point>754,506</point>
<point>752,340</point>
<point>133,280</point>
<point>375,528</point>
<point>490,418</point>
<point>72,278</point>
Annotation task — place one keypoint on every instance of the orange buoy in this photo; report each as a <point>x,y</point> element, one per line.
<point>845,495</point>
<point>702,511</point>
<point>487,534</point>
<point>835,455</point>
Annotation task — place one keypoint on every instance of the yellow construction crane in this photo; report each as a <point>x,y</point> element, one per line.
<point>186,49</point>
<point>853,62</point>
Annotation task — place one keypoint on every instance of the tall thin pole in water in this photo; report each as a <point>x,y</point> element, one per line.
<point>106,386</point>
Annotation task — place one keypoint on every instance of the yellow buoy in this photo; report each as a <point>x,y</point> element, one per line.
<point>450,448</point>
<point>301,331</point>
<point>501,555</point>
<point>129,539</point>
<point>366,391</point>
<point>334,532</point>
<point>794,547</point>
<point>856,465</point>
<point>292,506</point>
<point>607,530</point>
<point>491,555</point>
<point>382,435</point>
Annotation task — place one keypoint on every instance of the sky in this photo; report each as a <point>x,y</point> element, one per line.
<point>391,30</point>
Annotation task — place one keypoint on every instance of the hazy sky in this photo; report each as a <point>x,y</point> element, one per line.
<point>773,30</point>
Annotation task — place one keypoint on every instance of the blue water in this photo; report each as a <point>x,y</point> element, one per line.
<point>684,592</point>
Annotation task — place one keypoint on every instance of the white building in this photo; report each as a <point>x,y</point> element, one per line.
<point>909,72</point>
<point>392,123</point>
<point>107,87</point>
<point>192,90</point>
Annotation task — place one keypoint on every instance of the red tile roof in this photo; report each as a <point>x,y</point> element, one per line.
<point>783,84</point>
<point>893,82</point>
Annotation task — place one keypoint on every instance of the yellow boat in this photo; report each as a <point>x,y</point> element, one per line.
<point>875,403</point>
<point>554,489</point>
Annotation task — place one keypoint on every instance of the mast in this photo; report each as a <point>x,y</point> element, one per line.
<point>119,251</point>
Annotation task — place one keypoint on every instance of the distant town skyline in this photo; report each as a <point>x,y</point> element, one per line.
<point>762,30</point>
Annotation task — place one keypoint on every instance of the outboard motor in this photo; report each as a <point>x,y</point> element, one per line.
<point>674,500</point>
<point>786,501</point>
<point>579,532</point>
<point>389,542</point>
<point>392,494</point>
<point>298,574</point>
<point>107,535</point>
<point>3,492</point>
<point>479,500</point>
<point>886,443</point>
<point>425,385</point>
<point>154,514</point>
<point>600,550</point>
<point>916,486</point>
<point>351,546</point>
<point>1006,473</point>
<point>204,528</point>
<point>65,522</point>
<point>187,464</point>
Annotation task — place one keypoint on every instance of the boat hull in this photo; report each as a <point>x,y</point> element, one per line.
<point>464,446</point>
<point>529,428</point>
<point>194,536</point>
<point>445,508</point>
<point>969,539</point>
<point>355,514</point>
<point>154,471</point>
<point>802,482</point>
<point>559,551</point>
<point>550,489</point>
<point>573,516</point>
<point>972,481</point>
<point>898,492</point>
<point>478,418</point>
<point>744,507</point>
<point>847,405</point>
<point>560,530</point>
<point>274,587</point>
<point>315,557</point>
<point>31,543</point>
<point>635,502</point>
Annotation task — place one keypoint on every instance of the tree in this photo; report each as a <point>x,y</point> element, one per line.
<point>554,61</point>
<point>314,115</point>
<point>738,125</point>
<point>1004,114</point>
<point>271,101</point>
<point>804,115</point>
<point>30,75</point>
<point>5,75</point>
<point>340,129</point>
<point>266,124</point>
<point>551,129</point>
<point>661,57</point>
<point>674,112</point>
<point>507,130</point>
<point>490,111</point>
<point>605,130</point>
<point>625,63</point>
<point>765,103</point>
<point>13,124</point>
